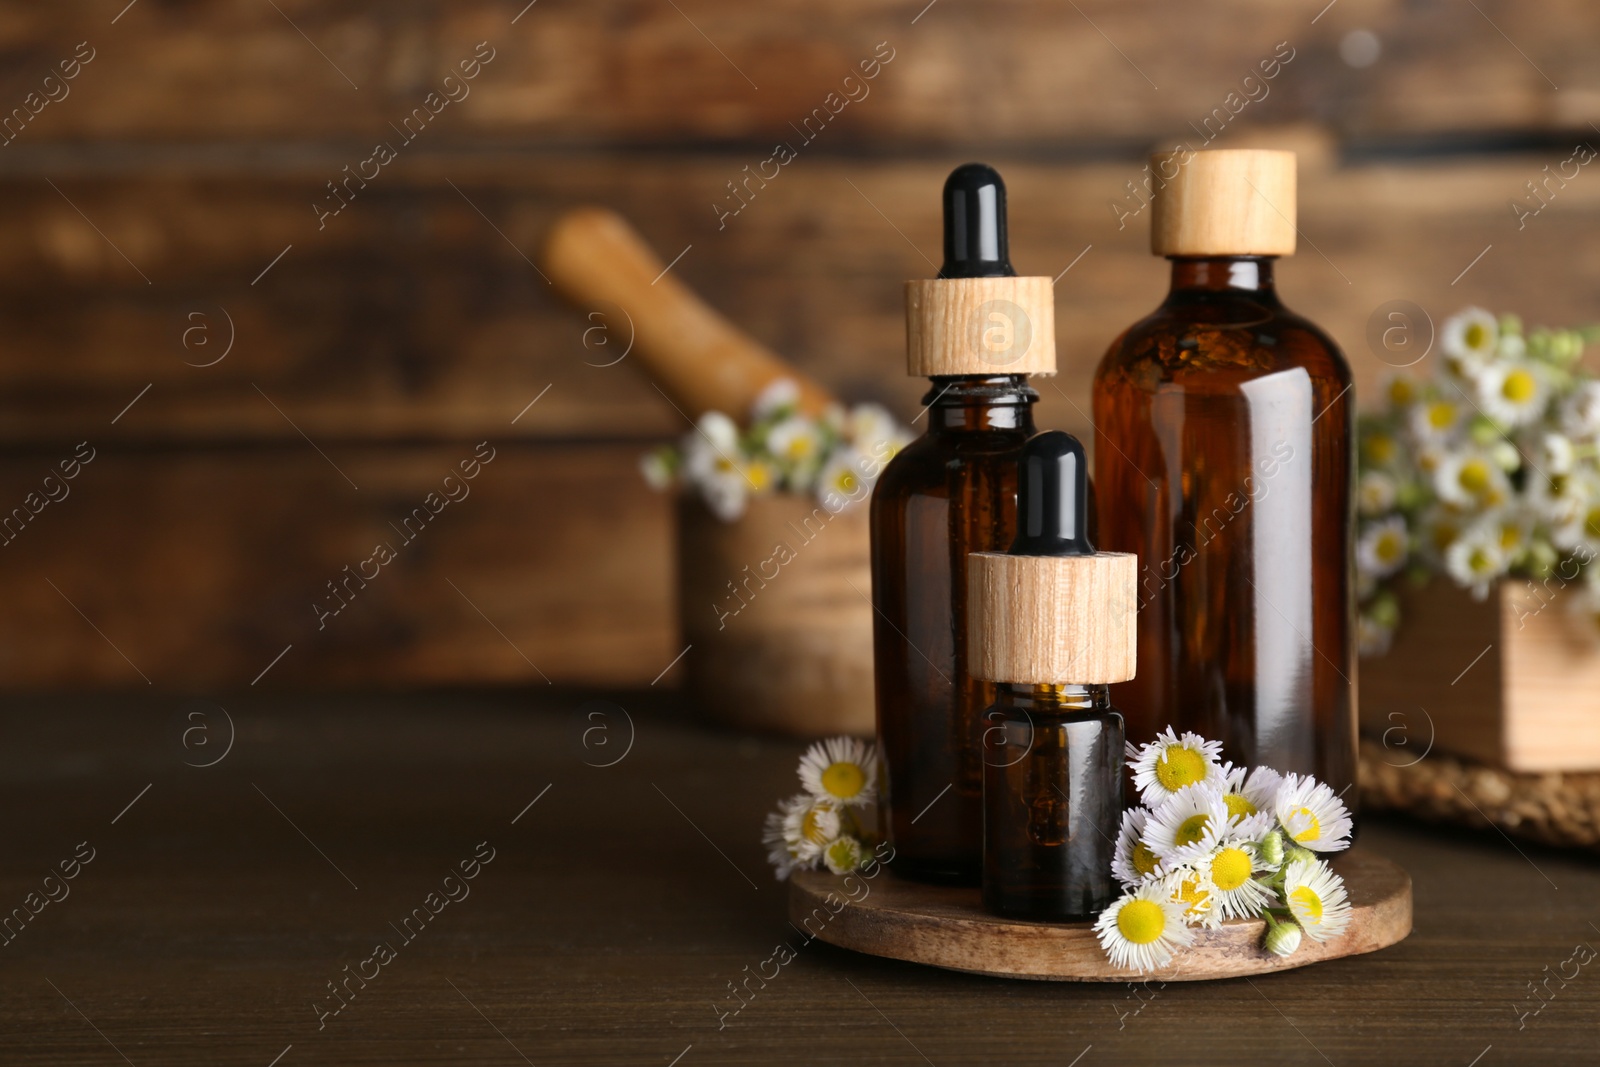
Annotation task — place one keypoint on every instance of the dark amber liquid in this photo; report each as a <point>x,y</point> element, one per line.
<point>951,492</point>
<point>1052,801</point>
<point>1223,459</point>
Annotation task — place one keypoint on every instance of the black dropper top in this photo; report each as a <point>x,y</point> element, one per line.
<point>1052,497</point>
<point>975,244</point>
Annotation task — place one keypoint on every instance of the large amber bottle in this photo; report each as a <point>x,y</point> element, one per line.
<point>976,332</point>
<point>1223,460</point>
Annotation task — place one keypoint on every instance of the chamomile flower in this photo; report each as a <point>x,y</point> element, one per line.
<point>1439,528</point>
<point>1380,448</point>
<point>1383,546</point>
<point>1311,815</point>
<point>1555,454</point>
<point>809,824</point>
<point>1142,928</point>
<point>1469,339</point>
<point>1580,413</point>
<point>779,395</point>
<point>1317,899</point>
<point>1169,763</point>
<point>843,854</point>
<point>796,442</point>
<point>1190,886</point>
<point>659,467</point>
<point>1230,872</point>
<point>1471,478</point>
<point>1133,861</point>
<point>1376,493</point>
<point>1282,937</point>
<point>871,427</point>
<point>1401,391</point>
<point>1436,420</point>
<point>1249,796</point>
<point>1580,530</point>
<point>1476,559</point>
<point>843,480</point>
<point>1187,825</point>
<point>1513,394</point>
<point>842,770</point>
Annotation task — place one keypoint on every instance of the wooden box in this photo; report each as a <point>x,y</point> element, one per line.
<point>1512,680</point>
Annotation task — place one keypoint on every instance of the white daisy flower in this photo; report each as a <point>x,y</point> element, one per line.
<point>1250,796</point>
<point>843,855</point>
<point>809,824</point>
<point>1230,872</point>
<point>1187,825</point>
<point>1190,886</point>
<point>1438,529</point>
<point>1316,898</point>
<point>780,394</point>
<point>1436,420</point>
<point>1555,454</point>
<point>657,468</point>
<point>1558,499</point>
<point>796,442</point>
<point>1376,493</point>
<point>1580,414</point>
<point>1470,478</point>
<point>1311,815</point>
<point>842,770</point>
<point>1401,391</point>
<point>1141,930</point>
<point>1133,861</point>
<point>1382,547</point>
<point>1513,394</point>
<point>1469,338</point>
<point>1169,763</point>
<point>1580,530</point>
<point>844,480</point>
<point>1380,448</point>
<point>1475,559</point>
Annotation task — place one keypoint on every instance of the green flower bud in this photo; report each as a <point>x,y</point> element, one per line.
<point>1484,432</point>
<point>1271,849</point>
<point>1282,937</point>
<point>1510,324</point>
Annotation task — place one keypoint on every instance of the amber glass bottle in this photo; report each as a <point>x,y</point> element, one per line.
<point>1223,459</point>
<point>976,331</point>
<point>1051,621</point>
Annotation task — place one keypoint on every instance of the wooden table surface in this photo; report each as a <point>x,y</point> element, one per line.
<point>221,901</point>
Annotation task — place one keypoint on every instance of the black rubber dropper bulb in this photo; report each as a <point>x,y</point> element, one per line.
<point>975,244</point>
<point>1052,497</point>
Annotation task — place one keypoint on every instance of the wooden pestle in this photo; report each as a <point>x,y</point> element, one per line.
<point>699,359</point>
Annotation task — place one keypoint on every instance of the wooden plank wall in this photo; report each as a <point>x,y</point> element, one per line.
<point>300,381</point>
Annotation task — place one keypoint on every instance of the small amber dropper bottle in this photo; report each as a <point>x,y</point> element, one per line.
<point>1223,460</point>
<point>977,331</point>
<point>1052,620</point>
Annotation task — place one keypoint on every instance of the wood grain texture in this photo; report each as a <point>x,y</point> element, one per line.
<point>1223,203</point>
<point>774,610</point>
<point>1512,681</point>
<point>980,326</point>
<point>945,926</point>
<point>195,569</point>
<point>607,929</point>
<point>409,316</point>
<point>1051,619</point>
<point>621,71</point>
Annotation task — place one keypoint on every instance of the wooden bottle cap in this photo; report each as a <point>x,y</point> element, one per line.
<point>1229,202</point>
<point>1046,620</point>
<point>980,326</point>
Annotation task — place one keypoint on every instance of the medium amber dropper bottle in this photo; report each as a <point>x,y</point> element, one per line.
<point>1052,621</point>
<point>976,331</point>
<point>1223,460</point>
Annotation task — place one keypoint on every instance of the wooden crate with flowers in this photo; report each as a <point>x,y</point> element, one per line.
<point>1479,503</point>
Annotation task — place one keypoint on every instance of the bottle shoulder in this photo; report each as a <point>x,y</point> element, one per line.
<point>1220,344</point>
<point>927,462</point>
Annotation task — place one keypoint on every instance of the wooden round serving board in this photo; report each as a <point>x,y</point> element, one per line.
<point>946,926</point>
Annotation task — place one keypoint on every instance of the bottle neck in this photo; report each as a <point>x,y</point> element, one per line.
<point>1195,275</point>
<point>968,403</point>
<point>1065,697</point>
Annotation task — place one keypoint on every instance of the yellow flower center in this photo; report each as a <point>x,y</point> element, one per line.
<point>1519,387</point>
<point>1231,868</point>
<point>1310,905</point>
<point>810,829</point>
<point>1390,546</point>
<point>842,853</point>
<point>1179,767</point>
<point>1510,536</point>
<point>1313,830</point>
<point>1141,921</point>
<point>1401,392</point>
<point>845,482</point>
<point>798,449</point>
<point>1480,562</point>
<point>1144,860</point>
<point>843,780</point>
<point>760,476</point>
<point>1381,449</point>
<point>1190,893</point>
<point>1475,336</point>
<point>1441,415</point>
<point>1474,476</point>
<point>1444,535</point>
<point>1239,805</point>
<point>1191,829</point>
<point>1591,523</point>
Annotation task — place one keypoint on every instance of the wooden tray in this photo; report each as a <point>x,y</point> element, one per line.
<point>946,927</point>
